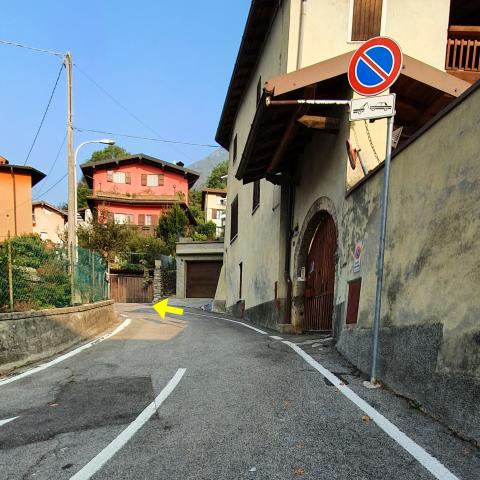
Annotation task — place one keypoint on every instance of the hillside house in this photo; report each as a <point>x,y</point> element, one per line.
<point>137,189</point>
<point>48,221</point>
<point>303,222</point>
<point>214,204</point>
<point>16,182</point>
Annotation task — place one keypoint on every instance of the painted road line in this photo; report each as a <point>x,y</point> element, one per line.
<point>275,337</point>
<point>7,420</point>
<point>230,320</point>
<point>423,457</point>
<point>61,358</point>
<point>119,442</point>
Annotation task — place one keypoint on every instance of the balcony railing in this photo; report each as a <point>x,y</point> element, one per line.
<point>463,52</point>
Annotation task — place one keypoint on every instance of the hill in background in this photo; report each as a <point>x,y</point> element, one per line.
<point>206,165</point>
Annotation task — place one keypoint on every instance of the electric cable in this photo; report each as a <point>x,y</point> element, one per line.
<point>44,115</point>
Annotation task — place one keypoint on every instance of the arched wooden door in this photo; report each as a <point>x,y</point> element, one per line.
<point>320,282</point>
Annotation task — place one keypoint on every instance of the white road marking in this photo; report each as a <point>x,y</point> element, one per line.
<point>7,420</point>
<point>122,315</point>
<point>275,337</point>
<point>61,358</point>
<point>230,320</point>
<point>423,457</point>
<point>113,447</point>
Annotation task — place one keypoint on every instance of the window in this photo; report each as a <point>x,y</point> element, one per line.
<point>235,149</point>
<point>256,195</point>
<point>353,301</point>
<point>366,19</point>
<point>152,180</point>
<point>240,266</point>
<point>234,219</point>
<point>148,220</point>
<point>122,218</point>
<point>119,177</point>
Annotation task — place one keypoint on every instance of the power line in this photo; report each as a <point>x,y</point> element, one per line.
<point>44,114</point>
<point>54,185</point>
<point>51,52</point>
<point>116,134</point>
<point>123,107</point>
<point>56,157</point>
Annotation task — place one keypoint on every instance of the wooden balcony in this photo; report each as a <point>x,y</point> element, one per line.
<point>463,52</point>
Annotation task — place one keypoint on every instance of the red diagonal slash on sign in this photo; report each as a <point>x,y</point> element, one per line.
<point>387,79</point>
<point>374,66</point>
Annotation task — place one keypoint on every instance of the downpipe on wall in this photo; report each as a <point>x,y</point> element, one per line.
<point>288,251</point>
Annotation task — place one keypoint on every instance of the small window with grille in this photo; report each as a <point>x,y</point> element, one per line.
<point>256,195</point>
<point>234,219</point>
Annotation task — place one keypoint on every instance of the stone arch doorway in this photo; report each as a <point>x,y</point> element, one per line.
<point>315,256</point>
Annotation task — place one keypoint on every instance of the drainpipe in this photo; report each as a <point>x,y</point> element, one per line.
<point>303,12</point>
<point>288,250</point>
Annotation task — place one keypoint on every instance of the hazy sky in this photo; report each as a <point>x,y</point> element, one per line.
<point>167,62</point>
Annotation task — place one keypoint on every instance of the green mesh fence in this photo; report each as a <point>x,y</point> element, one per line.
<point>35,275</point>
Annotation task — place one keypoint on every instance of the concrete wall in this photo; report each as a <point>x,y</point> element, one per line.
<point>431,307</point>
<point>30,336</point>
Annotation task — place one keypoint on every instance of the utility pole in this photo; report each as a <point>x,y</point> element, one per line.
<point>72,214</point>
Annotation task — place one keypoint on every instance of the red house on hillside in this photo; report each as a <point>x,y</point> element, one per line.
<point>137,189</point>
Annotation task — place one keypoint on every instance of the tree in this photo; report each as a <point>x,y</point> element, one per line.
<point>111,151</point>
<point>171,226</point>
<point>109,239</point>
<point>195,204</point>
<point>214,180</point>
<point>82,193</point>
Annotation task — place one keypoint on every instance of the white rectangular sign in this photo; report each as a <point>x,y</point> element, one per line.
<point>366,108</point>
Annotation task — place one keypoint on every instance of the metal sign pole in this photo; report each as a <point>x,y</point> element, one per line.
<point>381,252</point>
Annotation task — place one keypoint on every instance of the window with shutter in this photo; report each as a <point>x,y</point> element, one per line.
<point>155,219</point>
<point>141,219</point>
<point>161,179</point>
<point>256,195</point>
<point>144,180</point>
<point>366,19</point>
<point>234,149</point>
<point>234,219</point>
<point>128,177</point>
<point>109,176</point>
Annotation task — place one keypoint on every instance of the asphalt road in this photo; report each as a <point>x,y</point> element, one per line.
<point>247,406</point>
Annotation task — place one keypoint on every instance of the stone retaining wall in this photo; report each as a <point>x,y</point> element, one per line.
<point>33,335</point>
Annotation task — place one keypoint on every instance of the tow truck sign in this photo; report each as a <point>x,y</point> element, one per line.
<point>365,108</point>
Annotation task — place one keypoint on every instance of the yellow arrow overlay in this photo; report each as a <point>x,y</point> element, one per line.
<point>162,308</point>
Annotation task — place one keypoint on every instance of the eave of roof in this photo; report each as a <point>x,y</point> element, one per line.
<point>42,203</point>
<point>259,22</point>
<point>89,167</point>
<point>36,175</point>
<point>422,91</point>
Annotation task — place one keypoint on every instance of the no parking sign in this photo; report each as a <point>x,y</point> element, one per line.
<point>375,66</point>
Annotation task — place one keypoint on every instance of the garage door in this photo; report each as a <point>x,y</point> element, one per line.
<point>202,279</point>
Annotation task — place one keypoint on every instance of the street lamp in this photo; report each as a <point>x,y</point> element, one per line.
<point>105,141</point>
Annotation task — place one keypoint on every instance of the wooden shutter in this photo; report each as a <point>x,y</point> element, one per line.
<point>144,180</point>
<point>128,177</point>
<point>141,219</point>
<point>109,176</point>
<point>353,301</point>
<point>155,219</point>
<point>367,19</point>
<point>234,219</point>
<point>256,194</point>
<point>161,179</point>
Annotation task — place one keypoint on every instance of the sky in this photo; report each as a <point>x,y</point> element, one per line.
<point>167,63</point>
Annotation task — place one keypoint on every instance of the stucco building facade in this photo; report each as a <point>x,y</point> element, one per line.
<point>302,229</point>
